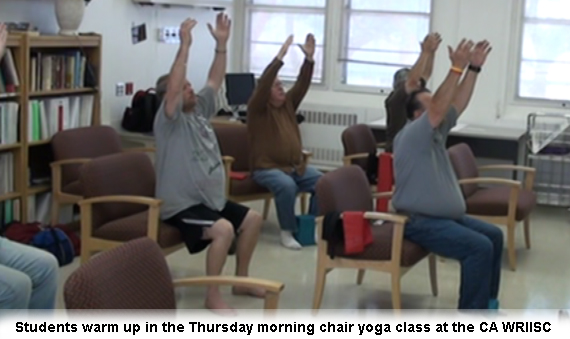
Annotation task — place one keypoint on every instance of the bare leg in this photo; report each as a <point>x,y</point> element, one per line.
<point>246,242</point>
<point>221,234</point>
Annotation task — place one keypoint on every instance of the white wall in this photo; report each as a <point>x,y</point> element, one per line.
<point>142,63</point>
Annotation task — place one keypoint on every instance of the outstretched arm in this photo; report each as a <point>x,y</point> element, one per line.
<point>260,97</point>
<point>177,76</point>
<point>299,90</point>
<point>424,65</point>
<point>465,90</point>
<point>445,94</point>
<point>221,34</point>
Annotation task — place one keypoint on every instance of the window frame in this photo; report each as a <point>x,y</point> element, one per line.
<point>517,43</point>
<point>340,61</point>
<point>249,8</point>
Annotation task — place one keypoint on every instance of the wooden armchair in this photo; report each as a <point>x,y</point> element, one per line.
<point>71,149</point>
<point>135,275</point>
<point>346,189</point>
<point>358,142</point>
<point>506,202</point>
<point>233,141</point>
<point>118,205</point>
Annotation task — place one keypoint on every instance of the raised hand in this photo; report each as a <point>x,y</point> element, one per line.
<point>285,47</point>
<point>222,31</point>
<point>3,39</point>
<point>309,47</point>
<point>431,42</point>
<point>186,31</point>
<point>480,52</point>
<point>461,56</point>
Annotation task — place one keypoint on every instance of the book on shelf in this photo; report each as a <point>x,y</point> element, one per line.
<point>6,173</point>
<point>9,118</point>
<point>9,77</point>
<point>51,115</point>
<point>56,71</point>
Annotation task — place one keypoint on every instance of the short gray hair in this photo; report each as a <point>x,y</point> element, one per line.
<point>161,85</point>
<point>400,76</point>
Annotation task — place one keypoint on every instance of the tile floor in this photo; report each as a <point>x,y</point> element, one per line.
<point>542,280</point>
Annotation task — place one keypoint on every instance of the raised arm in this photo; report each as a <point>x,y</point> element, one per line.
<point>445,94</point>
<point>303,83</point>
<point>221,34</point>
<point>260,97</point>
<point>424,65</point>
<point>177,75</point>
<point>465,89</point>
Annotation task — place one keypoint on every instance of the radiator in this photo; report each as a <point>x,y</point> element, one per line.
<point>322,129</point>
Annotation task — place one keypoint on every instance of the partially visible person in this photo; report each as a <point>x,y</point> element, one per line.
<point>405,82</point>
<point>275,140</point>
<point>28,275</point>
<point>427,190</point>
<point>190,173</point>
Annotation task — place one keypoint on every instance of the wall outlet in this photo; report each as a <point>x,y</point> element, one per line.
<point>120,89</point>
<point>169,35</point>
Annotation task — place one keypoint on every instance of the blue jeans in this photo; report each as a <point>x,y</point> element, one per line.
<point>285,187</point>
<point>477,245</point>
<point>28,277</point>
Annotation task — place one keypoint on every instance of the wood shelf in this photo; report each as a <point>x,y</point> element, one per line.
<point>35,156</point>
<point>67,91</point>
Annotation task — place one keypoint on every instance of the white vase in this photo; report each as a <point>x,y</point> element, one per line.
<point>69,14</point>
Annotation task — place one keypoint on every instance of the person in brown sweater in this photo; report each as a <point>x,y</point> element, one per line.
<point>275,140</point>
<point>405,82</point>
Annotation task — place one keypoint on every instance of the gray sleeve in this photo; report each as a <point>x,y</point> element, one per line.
<point>206,102</point>
<point>450,120</point>
<point>161,120</point>
<point>415,136</point>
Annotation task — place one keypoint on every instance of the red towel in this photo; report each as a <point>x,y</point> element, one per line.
<point>385,180</point>
<point>357,232</point>
<point>238,175</point>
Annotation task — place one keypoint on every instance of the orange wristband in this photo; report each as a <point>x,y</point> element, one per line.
<point>457,70</point>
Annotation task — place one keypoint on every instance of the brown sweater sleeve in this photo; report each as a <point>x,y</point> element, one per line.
<point>301,87</point>
<point>258,102</point>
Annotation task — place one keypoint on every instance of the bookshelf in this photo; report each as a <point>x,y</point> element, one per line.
<point>47,83</point>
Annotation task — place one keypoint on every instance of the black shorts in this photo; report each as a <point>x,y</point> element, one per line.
<point>192,221</point>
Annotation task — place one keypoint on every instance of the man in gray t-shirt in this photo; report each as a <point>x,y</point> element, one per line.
<point>426,187</point>
<point>189,169</point>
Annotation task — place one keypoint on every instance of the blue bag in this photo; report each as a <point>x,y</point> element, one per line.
<point>55,241</point>
<point>305,234</point>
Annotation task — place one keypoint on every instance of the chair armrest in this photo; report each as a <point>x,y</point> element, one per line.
<point>133,199</point>
<point>86,207</point>
<point>347,159</point>
<point>530,172</point>
<point>382,195</point>
<point>56,172</point>
<point>492,181</point>
<point>272,288</point>
<point>381,145</point>
<point>307,153</point>
<point>397,219</point>
<point>75,161</point>
<point>140,149</point>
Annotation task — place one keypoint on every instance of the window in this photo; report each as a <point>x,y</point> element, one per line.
<point>381,37</point>
<point>545,54</point>
<point>272,21</point>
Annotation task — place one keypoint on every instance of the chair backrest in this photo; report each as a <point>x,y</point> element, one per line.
<point>234,142</point>
<point>83,142</point>
<point>465,166</point>
<point>134,275</point>
<point>358,139</point>
<point>344,189</point>
<point>126,173</point>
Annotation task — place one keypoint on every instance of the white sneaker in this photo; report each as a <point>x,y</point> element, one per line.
<point>289,241</point>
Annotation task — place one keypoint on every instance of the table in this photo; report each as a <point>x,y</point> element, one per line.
<point>491,142</point>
